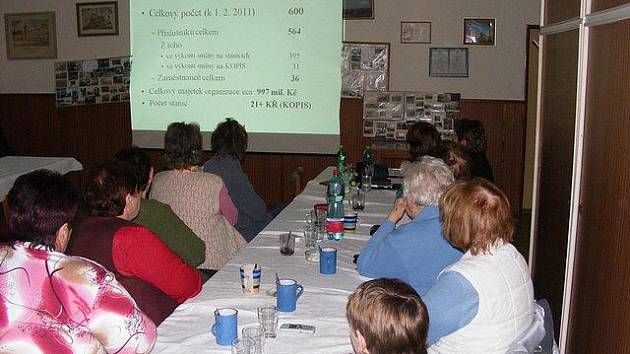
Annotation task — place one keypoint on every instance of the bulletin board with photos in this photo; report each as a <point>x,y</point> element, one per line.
<point>365,66</point>
<point>92,81</point>
<point>388,114</point>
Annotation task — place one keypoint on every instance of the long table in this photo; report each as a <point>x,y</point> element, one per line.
<point>324,300</point>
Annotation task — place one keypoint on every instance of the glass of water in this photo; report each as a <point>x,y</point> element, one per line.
<point>311,234</point>
<point>257,334</point>
<point>268,318</point>
<point>243,346</point>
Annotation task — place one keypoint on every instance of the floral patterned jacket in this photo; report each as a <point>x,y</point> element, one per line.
<point>53,303</point>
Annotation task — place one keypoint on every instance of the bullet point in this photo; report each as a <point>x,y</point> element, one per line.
<point>143,12</point>
<point>142,102</point>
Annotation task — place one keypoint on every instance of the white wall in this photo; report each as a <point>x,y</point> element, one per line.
<point>37,76</point>
<point>495,72</point>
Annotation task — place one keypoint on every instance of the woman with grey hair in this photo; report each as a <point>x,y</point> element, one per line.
<point>415,252</point>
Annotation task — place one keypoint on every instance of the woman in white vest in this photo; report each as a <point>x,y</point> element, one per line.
<point>485,301</point>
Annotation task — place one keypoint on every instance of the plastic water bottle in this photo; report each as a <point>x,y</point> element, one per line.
<point>341,160</point>
<point>334,218</point>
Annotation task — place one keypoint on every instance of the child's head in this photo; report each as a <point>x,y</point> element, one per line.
<point>387,316</point>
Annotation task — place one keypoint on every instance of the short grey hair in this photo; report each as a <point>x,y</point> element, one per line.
<point>424,181</point>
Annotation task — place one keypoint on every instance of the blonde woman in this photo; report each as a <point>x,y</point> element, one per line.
<point>484,302</point>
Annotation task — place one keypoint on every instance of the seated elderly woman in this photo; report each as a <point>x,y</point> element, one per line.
<point>423,139</point>
<point>199,198</point>
<point>53,303</point>
<point>415,252</point>
<point>154,275</point>
<point>485,301</point>
<point>229,143</point>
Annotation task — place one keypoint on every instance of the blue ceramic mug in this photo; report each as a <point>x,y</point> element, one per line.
<point>287,293</point>
<point>328,260</point>
<point>225,325</point>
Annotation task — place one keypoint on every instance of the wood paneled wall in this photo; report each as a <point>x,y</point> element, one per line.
<point>34,126</point>
<point>504,123</point>
<point>558,11</point>
<point>599,5</point>
<point>598,319</point>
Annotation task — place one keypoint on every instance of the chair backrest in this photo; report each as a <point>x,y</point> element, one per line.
<point>538,338</point>
<point>547,345</point>
<point>296,179</point>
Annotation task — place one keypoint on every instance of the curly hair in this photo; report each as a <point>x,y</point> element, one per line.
<point>423,139</point>
<point>390,315</point>
<point>476,216</point>
<point>107,190</point>
<point>456,157</point>
<point>471,131</point>
<point>183,145</point>
<point>425,181</point>
<point>40,203</point>
<point>229,138</point>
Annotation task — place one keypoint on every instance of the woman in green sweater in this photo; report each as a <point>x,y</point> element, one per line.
<point>157,216</point>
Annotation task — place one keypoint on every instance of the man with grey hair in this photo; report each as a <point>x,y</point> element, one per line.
<point>415,252</point>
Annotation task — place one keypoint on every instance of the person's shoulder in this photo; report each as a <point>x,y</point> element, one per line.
<point>210,177</point>
<point>79,269</point>
<point>154,205</point>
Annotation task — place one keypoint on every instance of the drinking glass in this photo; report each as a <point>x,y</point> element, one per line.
<point>358,200</point>
<point>310,217</point>
<point>243,346</point>
<point>287,244</point>
<point>311,234</point>
<point>366,178</point>
<point>257,334</point>
<point>268,318</point>
<point>321,225</point>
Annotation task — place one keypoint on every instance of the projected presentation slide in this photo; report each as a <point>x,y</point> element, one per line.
<point>273,65</point>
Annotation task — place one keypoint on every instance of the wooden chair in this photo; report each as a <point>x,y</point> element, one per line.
<point>296,181</point>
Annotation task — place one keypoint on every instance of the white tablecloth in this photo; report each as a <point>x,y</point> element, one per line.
<point>324,300</point>
<point>12,167</point>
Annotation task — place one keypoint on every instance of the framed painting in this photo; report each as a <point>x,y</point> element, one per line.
<point>415,32</point>
<point>31,35</point>
<point>479,31</point>
<point>448,62</point>
<point>97,18</point>
<point>358,9</point>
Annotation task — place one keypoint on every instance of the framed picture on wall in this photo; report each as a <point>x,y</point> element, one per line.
<point>358,9</point>
<point>364,66</point>
<point>97,18</point>
<point>31,35</point>
<point>448,62</point>
<point>479,31</point>
<point>415,32</point>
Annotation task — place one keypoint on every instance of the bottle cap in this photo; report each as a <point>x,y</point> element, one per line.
<point>335,171</point>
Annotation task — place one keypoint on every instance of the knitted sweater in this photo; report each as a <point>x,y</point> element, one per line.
<point>194,197</point>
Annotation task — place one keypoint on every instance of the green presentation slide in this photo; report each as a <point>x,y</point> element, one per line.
<point>273,65</point>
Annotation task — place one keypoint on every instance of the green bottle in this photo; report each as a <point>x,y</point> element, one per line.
<point>341,160</point>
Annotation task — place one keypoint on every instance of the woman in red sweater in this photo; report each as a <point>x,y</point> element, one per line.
<point>153,274</point>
